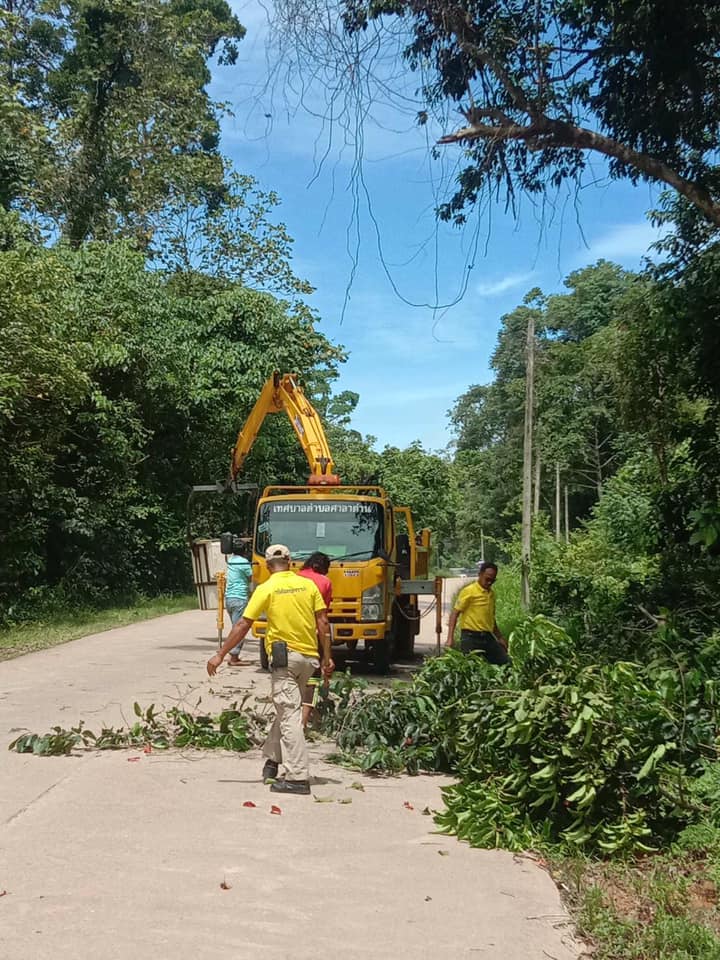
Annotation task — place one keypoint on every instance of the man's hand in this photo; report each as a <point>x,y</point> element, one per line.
<point>213,663</point>
<point>449,641</point>
<point>328,668</point>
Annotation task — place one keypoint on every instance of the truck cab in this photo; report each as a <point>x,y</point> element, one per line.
<point>356,528</point>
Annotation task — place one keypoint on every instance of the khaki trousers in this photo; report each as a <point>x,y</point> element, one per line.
<point>286,741</point>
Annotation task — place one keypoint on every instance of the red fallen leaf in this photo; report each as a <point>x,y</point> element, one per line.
<point>133,759</point>
<point>147,748</point>
<point>408,741</point>
<point>274,809</point>
<point>408,805</point>
<point>225,885</point>
<point>249,803</point>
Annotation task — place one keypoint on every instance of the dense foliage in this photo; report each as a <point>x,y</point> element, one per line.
<point>110,115</point>
<point>626,445</point>
<point>146,293</point>
<point>559,749</point>
<point>122,387</point>
<point>541,85</point>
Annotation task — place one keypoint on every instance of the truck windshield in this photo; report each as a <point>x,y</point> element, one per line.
<point>339,528</point>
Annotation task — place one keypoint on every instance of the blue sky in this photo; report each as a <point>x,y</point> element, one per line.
<point>378,237</point>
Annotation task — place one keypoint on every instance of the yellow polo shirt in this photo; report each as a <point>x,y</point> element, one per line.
<point>476,606</point>
<point>290,603</point>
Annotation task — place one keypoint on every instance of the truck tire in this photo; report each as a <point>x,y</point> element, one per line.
<point>404,629</point>
<point>406,648</point>
<point>383,653</point>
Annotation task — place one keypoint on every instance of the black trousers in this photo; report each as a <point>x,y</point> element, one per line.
<point>485,643</point>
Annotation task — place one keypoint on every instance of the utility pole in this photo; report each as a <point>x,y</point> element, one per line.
<point>567,517</point>
<point>558,514</point>
<point>527,486</point>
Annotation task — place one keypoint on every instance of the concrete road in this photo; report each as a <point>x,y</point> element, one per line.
<point>121,856</point>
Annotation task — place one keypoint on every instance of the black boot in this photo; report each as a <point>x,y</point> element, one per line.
<point>290,786</point>
<point>270,771</point>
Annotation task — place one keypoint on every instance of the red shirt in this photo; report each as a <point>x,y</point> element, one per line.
<point>321,582</point>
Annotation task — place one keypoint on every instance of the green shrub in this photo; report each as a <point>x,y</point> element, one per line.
<point>597,757</point>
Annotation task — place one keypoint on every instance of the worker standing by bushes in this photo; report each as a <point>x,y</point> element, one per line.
<point>475,606</point>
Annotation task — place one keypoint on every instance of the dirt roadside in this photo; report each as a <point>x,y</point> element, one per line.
<point>109,856</point>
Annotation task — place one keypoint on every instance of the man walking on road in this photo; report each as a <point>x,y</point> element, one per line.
<point>296,621</point>
<point>475,606</point>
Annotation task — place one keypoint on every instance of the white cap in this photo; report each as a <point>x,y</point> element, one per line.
<point>278,551</point>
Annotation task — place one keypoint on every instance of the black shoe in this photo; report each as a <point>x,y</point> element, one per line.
<point>290,786</point>
<point>270,771</point>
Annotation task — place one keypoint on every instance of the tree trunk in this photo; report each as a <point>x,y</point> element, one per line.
<point>567,517</point>
<point>598,465</point>
<point>527,464</point>
<point>558,514</point>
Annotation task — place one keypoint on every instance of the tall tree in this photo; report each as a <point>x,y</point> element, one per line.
<point>120,388</point>
<point>119,87</point>
<point>577,420</point>
<point>527,460</point>
<point>540,83</point>
<point>422,481</point>
<point>227,234</point>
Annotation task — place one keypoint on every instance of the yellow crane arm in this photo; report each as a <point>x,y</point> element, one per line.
<point>282,393</point>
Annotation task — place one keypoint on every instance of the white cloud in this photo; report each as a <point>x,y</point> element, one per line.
<point>396,332</point>
<point>493,288</point>
<point>625,241</point>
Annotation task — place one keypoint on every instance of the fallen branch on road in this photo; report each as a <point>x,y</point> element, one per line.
<point>234,728</point>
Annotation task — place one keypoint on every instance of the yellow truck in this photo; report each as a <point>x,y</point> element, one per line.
<point>379,563</point>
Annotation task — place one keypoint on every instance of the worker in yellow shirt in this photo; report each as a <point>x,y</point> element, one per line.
<point>475,606</point>
<point>296,621</point>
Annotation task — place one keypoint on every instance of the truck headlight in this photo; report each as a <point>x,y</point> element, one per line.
<point>372,604</point>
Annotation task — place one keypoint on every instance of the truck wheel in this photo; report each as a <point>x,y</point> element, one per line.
<point>406,648</point>
<point>403,629</point>
<point>264,662</point>
<point>383,654</point>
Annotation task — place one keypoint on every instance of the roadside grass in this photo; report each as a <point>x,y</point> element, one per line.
<point>50,631</point>
<point>658,907</point>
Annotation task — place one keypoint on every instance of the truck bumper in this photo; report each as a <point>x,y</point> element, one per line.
<point>342,632</point>
<point>347,632</point>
